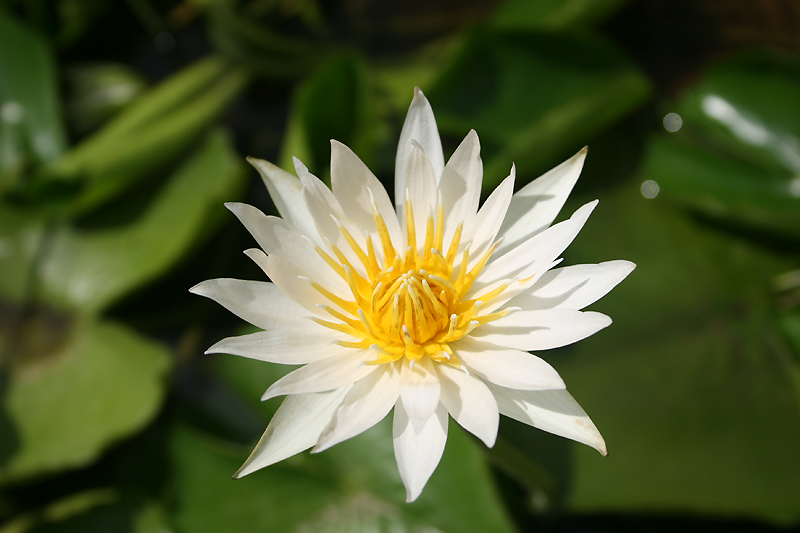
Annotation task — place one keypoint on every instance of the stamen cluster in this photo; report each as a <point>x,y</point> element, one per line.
<point>410,305</point>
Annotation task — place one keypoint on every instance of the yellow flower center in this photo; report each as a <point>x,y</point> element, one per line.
<point>412,305</point>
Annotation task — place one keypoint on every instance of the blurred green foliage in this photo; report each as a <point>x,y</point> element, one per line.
<point>111,189</point>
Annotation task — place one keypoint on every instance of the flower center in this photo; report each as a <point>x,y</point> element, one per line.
<point>412,305</point>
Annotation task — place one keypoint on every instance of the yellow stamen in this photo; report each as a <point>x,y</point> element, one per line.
<point>407,305</point>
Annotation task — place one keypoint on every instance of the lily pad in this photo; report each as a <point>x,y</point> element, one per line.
<point>67,406</point>
<point>688,388</point>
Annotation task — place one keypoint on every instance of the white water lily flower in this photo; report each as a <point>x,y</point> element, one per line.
<point>429,307</point>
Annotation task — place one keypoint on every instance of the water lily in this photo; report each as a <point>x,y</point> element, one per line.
<point>429,306</point>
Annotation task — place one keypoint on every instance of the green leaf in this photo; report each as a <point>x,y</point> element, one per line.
<point>21,241</point>
<point>68,405</point>
<point>241,37</point>
<point>553,14</point>
<point>149,135</point>
<point>208,500</point>
<point>737,155</point>
<point>87,270</point>
<point>790,324</point>
<point>314,121</point>
<point>31,131</point>
<point>687,386</point>
<point>93,511</point>
<point>100,90</point>
<point>530,95</point>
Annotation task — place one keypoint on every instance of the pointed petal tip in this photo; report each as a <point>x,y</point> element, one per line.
<point>418,92</point>
<point>299,168</point>
<point>598,443</point>
<point>411,496</point>
<point>583,151</point>
<point>198,288</point>
<point>243,471</point>
<point>490,442</point>
<point>262,165</point>
<point>269,393</point>
<point>233,207</point>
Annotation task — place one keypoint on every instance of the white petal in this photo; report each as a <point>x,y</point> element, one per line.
<point>554,411</point>
<point>507,367</point>
<point>294,282</point>
<point>367,403</point>
<point>286,192</point>
<point>470,402</point>
<point>537,253</point>
<point>257,302</point>
<point>352,182</point>
<point>259,258</point>
<point>286,341</point>
<point>326,211</point>
<point>420,126</point>
<point>483,228</point>
<point>278,237</point>
<point>418,452</point>
<point>514,289</point>
<point>342,367</point>
<point>419,390</point>
<point>574,287</point>
<point>295,427</point>
<point>541,329</point>
<point>461,185</point>
<point>536,205</point>
<point>421,188</point>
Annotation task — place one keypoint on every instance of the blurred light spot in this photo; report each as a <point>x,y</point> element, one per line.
<point>45,145</point>
<point>164,42</point>
<point>650,189</point>
<point>673,122</point>
<point>12,112</point>
<point>120,93</point>
<point>794,187</point>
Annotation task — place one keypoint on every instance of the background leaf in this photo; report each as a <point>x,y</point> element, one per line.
<point>102,384</point>
<point>494,86</point>
<point>737,155</point>
<point>148,136</point>
<point>314,121</point>
<point>688,387</point>
<point>520,14</point>
<point>89,269</point>
<point>31,131</point>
